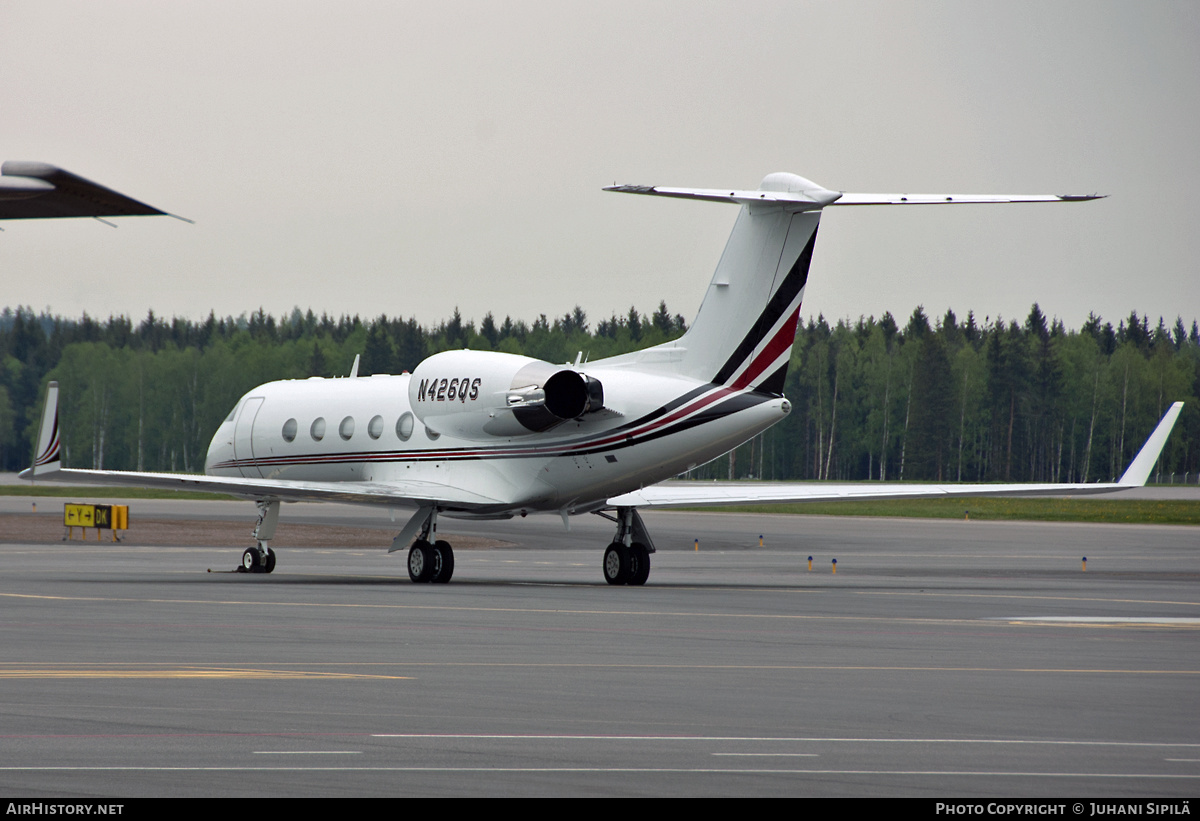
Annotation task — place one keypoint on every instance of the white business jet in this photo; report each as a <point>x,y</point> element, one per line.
<point>483,435</point>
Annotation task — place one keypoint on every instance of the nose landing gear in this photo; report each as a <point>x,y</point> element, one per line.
<point>261,559</point>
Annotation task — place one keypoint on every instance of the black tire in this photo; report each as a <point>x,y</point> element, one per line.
<point>270,565</point>
<point>443,562</point>
<point>616,564</point>
<point>639,561</point>
<point>250,561</point>
<point>420,561</point>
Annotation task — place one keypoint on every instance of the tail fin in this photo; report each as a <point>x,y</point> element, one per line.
<point>46,459</point>
<point>743,335</point>
<point>735,340</point>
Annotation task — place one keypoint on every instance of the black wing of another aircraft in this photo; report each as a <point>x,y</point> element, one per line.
<point>36,190</point>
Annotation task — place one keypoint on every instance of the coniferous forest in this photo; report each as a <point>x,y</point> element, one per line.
<point>933,399</point>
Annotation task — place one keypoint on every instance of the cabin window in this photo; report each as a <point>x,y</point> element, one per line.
<point>318,429</point>
<point>346,429</point>
<point>375,427</point>
<point>404,426</point>
<point>289,430</point>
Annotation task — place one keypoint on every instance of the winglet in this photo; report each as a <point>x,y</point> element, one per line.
<point>47,459</point>
<point>1139,469</point>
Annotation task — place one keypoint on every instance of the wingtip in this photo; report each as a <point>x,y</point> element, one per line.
<point>1139,470</point>
<point>630,189</point>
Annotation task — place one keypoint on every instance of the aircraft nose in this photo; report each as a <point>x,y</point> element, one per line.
<point>219,450</point>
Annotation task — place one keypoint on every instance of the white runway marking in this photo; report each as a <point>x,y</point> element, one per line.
<point>1101,619</point>
<point>308,752</point>
<point>768,755</point>
<point>615,770</point>
<point>781,739</point>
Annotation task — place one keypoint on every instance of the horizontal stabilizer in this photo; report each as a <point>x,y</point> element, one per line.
<point>809,196</point>
<point>958,199</point>
<point>807,199</point>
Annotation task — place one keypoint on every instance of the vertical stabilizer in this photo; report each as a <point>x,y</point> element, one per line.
<point>742,337</point>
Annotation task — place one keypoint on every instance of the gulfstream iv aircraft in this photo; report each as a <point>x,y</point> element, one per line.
<point>486,435</point>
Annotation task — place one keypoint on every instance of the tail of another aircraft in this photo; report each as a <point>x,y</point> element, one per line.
<point>742,338</point>
<point>47,459</point>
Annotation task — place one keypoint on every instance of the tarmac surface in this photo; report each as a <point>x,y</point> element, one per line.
<point>944,659</point>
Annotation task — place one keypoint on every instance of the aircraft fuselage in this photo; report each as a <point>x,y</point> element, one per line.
<point>365,429</point>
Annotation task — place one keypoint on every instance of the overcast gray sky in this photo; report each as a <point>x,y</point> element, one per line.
<point>368,157</point>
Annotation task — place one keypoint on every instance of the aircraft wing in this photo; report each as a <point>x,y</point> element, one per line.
<point>397,494</point>
<point>36,190</point>
<point>715,494</point>
<point>705,494</point>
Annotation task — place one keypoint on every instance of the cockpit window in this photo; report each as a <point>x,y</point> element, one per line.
<point>229,418</point>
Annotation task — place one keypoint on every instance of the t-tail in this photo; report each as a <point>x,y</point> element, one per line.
<point>742,338</point>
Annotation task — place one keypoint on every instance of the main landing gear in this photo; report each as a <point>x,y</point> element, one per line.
<point>430,562</point>
<point>261,558</point>
<point>627,559</point>
<point>429,559</point>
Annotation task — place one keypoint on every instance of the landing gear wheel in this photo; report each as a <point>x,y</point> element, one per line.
<point>639,564</point>
<point>420,561</point>
<point>250,561</point>
<point>443,562</point>
<point>270,565</point>
<point>616,564</point>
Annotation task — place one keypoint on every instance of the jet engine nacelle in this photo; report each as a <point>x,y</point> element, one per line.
<point>482,394</point>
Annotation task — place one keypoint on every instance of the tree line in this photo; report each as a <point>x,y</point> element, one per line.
<point>944,400</point>
<point>150,395</point>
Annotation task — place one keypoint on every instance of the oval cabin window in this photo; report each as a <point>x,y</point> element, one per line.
<point>289,430</point>
<point>346,429</point>
<point>375,427</point>
<point>318,429</point>
<point>404,426</point>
